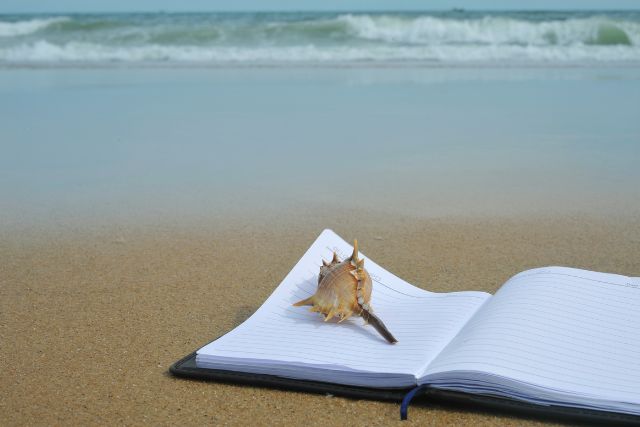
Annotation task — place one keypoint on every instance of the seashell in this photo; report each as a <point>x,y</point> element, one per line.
<point>344,289</point>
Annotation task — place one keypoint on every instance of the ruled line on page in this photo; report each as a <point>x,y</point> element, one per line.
<point>533,337</point>
<point>565,286</point>
<point>498,328</point>
<point>569,318</point>
<point>495,351</point>
<point>542,375</point>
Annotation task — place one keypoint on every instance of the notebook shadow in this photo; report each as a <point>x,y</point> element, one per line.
<point>501,414</point>
<point>242,314</point>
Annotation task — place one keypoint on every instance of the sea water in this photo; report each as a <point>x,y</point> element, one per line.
<point>243,114</point>
<point>325,38</point>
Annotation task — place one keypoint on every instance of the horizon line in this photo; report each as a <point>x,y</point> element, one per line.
<point>453,9</point>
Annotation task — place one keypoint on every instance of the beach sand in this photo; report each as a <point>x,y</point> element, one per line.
<point>92,316</point>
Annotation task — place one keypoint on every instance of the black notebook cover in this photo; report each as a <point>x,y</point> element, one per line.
<point>186,367</point>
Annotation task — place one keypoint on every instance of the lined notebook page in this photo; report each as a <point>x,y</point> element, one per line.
<point>565,331</point>
<point>294,342</point>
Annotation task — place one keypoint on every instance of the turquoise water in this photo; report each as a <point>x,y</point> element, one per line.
<point>427,38</point>
<point>183,143</point>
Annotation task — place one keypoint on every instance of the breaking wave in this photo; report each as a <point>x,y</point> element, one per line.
<point>20,28</point>
<point>548,37</point>
<point>496,31</point>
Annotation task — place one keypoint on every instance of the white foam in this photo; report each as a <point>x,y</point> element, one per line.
<point>21,28</point>
<point>43,51</point>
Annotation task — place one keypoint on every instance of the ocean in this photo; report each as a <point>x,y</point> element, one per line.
<point>248,115</point>
<point>581,38</point>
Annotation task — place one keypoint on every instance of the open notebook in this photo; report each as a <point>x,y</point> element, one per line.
<point>549,336</point>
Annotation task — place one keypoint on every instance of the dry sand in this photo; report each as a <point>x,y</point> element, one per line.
<point>92,317</point>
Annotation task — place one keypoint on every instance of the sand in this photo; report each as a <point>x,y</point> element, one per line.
<point>91,317</point>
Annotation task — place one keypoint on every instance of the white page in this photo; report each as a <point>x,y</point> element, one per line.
<point>301,345</point>
<point>573,334</point>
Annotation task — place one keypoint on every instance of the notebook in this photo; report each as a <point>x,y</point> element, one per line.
<point>552,337</point>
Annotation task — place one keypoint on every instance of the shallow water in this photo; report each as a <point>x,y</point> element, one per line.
<point>120,143</point>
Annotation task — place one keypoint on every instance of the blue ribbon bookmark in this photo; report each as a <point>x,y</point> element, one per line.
<point>406,400</point>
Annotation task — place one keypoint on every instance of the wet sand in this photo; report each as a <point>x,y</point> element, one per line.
<point>92,316</point>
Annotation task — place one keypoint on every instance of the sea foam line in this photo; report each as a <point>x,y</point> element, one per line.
<point>43,51</point>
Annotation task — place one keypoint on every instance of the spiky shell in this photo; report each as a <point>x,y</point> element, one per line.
<point>344,288</point>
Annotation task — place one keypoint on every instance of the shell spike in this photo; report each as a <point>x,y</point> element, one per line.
<point>354,255</point>
<point>308,301</point>
<point>345,316</point>
<point>329,315</point>
<point>335,259</point>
